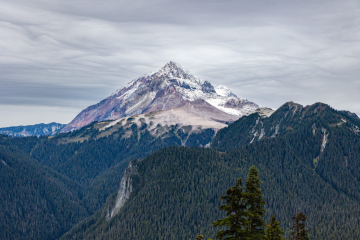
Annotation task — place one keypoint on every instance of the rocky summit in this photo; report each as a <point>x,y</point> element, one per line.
<point>172,87</point>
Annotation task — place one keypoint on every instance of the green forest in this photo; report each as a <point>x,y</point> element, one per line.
<point>177,189</point>
<point>48,184</point>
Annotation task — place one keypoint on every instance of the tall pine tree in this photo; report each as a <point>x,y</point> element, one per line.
<point>273,231</point>
<point>244,210</point>
<point>235,218</point>
<point>255,203</point>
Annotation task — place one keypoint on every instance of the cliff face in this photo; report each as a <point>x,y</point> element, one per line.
<point>168,88</point>
<point>125,190</point>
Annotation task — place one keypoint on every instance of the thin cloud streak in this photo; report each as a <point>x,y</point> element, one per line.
<point>70,55</point>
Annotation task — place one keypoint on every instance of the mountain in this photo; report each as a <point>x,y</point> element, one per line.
<point>288,117</point>
<point>33,130</point>
<point>308,158</point>
<point>172,87</point>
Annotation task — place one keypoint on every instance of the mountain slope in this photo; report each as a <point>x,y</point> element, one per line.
<point>168,88</point>
<point>96,156</point>
<point>36,202</point>
<point>289,117</point>
<point>337,134</point>
<point>197,114</point>
<point>175,191</point>
<point>33,130</point>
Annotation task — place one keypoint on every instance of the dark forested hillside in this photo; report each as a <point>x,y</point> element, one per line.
<point>312,165</point>
<point>308,158</point>
<point>92,161</point>
<point>331,135</point>
<point>98,162</point>
<point>288,118</point>
<point>36,202</point>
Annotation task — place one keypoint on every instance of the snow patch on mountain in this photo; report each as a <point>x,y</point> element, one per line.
<point>141,102</point>
<point>224,91</point>
<point>219,103</point>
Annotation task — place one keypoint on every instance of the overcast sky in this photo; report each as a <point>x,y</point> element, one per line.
<point>58,57</point>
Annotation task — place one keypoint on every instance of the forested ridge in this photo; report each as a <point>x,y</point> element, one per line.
<point>308,158</point>
<point>50,184</point>
<point>178,189</point>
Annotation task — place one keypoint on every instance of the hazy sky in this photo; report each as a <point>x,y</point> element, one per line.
<point>58,57</point>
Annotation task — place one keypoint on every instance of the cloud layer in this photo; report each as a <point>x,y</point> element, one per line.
<point>58,57</point>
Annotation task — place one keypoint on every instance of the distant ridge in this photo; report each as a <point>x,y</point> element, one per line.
<point>41,129</point>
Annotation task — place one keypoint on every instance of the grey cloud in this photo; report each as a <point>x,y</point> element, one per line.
<point>71,54</point>
<point>24,93</point>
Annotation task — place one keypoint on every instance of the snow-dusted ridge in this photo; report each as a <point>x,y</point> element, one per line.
<point>224,91</point>
<point>41,129</point>
<point>165,89</point>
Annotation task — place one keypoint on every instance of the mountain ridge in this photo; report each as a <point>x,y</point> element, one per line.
<point>287,117</point>
<point>310,165</point>
<point>41,129</point>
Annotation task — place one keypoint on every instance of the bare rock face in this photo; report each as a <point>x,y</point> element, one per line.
<point>124,192</point>
<point>171,87</point>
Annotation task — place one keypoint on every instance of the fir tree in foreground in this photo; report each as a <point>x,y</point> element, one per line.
<point>244,210</point>
<point>236,214</point>
<point>299,232</point>
<point>255,203</point>
<point>273,231</point>
<point>245,214</point>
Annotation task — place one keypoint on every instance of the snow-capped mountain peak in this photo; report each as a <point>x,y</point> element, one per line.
<point>170,87</point>
<point>174,70</point>
<point>224,91</point>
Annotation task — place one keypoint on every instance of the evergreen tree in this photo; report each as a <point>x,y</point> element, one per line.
<point>273,231</point>
<point>235,218</point>
<point>299,232</point>
<point>255,202</point>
